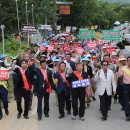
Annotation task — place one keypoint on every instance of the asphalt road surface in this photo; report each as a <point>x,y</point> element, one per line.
<point>116,119</point>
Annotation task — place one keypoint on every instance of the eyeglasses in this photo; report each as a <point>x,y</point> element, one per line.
<point>105,64</point>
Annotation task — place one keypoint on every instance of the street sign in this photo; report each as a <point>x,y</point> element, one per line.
<point>85,34</point>
<point>58,27</point>
<point>111,35</point>
<point>29,29</point>
<point>65,9</point>
<point>68,29</point>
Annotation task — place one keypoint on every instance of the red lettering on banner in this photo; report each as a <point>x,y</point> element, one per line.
<point>79,50</point>
<point>110,49</point>
<point>91,45</point>
<point>4,75</point>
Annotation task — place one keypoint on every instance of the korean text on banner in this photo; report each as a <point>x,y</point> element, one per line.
<point>4,75</point>
<point>85,34</point>
<point>111,35</point>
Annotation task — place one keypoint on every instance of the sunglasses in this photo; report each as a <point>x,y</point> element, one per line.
<point>105,64</point>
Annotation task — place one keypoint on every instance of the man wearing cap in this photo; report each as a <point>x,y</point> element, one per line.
<point>103,52</point>
<point>121,63</point>
<point>125,73</point>
<point>78,90</point>
<point>3,90</point>
<point>4,57</point>
<point>88,70</point>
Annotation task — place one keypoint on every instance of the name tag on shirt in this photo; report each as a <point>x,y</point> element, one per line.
<point>81,83</point>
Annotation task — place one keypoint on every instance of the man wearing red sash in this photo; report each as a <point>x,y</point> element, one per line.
<point>45,83</point>
<point>79,92</point>
<point>25,80</point>
<point>62,89</point>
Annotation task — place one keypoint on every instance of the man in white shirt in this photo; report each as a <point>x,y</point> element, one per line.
<point>105,85</point>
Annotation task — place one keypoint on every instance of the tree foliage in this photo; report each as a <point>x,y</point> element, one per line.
<point>83,13</point>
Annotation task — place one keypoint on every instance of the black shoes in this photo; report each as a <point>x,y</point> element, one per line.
<point>94,99</point>
<point>61,116</point>
<point>104,118</point>
<point>19,115</point>
<point>82,118</point>
<point>39,118</point>
<point>46,115</point>
<point>26,117</point>
<point>69,113</point>
<point>6,111</point>
<point>128,118</point>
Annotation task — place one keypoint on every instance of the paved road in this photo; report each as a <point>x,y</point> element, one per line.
<point>116,120</point>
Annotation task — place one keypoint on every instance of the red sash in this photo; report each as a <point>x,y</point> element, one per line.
<point>30,63</point>
<point>46,79</point>
<point>78,75</point>
<point>25,81</point>
<point>64,78</point>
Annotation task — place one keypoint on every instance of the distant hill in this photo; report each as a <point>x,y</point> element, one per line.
<point>122,1</point>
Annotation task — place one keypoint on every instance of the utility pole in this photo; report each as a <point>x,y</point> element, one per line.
<point>3,38</point>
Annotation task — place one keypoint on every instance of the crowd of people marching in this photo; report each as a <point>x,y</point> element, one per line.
<point>73,70</point>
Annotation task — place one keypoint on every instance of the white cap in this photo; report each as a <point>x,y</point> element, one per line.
<point>88,55</point>
<point>1,61</point>
<point>113,54</point>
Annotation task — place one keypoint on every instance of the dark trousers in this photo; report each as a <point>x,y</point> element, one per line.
<point>26,95</point>
<point>62,98</point>
<point>109,102</point>
<point>120,93</point>
<point>126,99</point>
<point>78,93</point>
<point>35,86</point>
<point>14,76</point>
<point>105,103</point>
<point>46,103</point>
<point>31,99</point>
<point>4,98</point>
